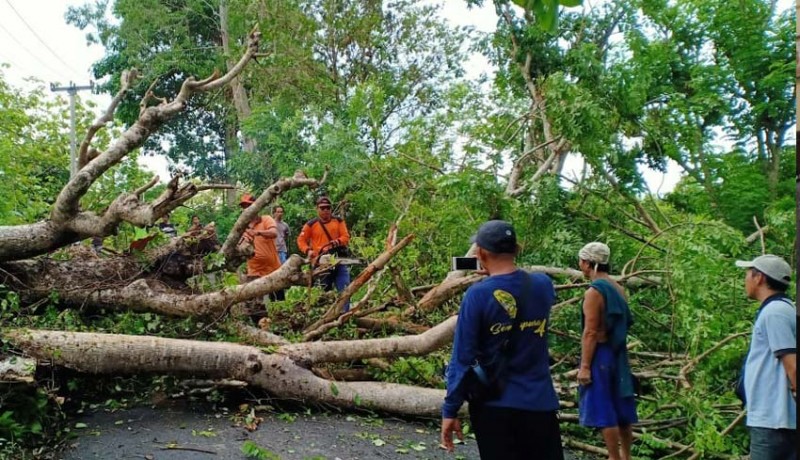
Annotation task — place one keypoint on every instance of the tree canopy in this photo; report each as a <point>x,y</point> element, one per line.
<point>369,103</point>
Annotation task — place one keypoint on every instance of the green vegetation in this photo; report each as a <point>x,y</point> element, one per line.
<point>704,85</point>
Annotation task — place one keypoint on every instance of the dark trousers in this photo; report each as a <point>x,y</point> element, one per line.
<point>514,434</point>
<point>772,444</point>
<point>338,278</point>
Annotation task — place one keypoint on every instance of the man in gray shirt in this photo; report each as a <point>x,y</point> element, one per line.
<point>283,233</point>
<point>770,370</point>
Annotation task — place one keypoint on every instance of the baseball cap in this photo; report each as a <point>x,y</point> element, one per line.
<point>323,199</point>
<point>247,199</point>
<point>770,265</point>
<point>497,236</point>
<point>596,252</point>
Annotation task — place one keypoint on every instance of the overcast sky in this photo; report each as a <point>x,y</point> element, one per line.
<point>36,42</point>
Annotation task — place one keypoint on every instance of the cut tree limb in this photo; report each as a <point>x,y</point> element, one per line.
<point>349,350</point>
<point>276,373</point>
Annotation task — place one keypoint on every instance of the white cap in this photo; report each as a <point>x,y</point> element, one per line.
<point>770,265</point>
<point>595,252</point>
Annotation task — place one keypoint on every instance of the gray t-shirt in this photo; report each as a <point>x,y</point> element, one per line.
<point>283,236</point>
<point>769,399</point>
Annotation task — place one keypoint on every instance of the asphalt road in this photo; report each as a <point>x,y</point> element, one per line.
<point>189,432</point>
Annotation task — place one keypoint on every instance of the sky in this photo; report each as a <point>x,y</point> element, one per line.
<point>36,41</point>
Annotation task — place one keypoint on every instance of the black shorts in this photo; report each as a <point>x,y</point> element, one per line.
<point>514,434</point>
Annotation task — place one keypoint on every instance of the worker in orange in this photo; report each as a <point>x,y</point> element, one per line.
<point>326,234</point>
<point>262,231</point>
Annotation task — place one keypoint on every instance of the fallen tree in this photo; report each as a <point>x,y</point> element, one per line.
<point>157,281</point>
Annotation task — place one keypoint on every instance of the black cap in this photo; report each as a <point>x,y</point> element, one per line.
<point>497,236</point>
<point>323,199</point>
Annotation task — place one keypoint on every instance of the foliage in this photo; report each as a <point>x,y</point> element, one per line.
<point>252,450</point>
<point>351,88</point>
<point>34,152</point>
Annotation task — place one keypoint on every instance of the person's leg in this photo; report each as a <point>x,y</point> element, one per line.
<point>597,408</point>
<point>626,441</point>
<point>537,432</point>
<point>325,281</point>
<point>769,444</point>
<point>611,437</point>
<point>342,274</point>
<point>626,417</point>
<point>493,427</point>
<point>278,295</point>
<point>282,256</point>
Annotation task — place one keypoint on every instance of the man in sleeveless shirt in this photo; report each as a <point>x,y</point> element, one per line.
<point>606,383</point>
<point>323,234</point>
<point>770,370</point>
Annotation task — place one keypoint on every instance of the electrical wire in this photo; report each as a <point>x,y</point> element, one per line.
<point>55,73</point>
<point>42,41</point>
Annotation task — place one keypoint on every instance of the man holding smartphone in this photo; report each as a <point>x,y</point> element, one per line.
<point>504,316</point>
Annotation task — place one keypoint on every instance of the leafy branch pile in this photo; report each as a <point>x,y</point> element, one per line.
<point>347,100</point>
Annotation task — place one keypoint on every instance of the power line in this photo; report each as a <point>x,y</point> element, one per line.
<point>32,54</point>
<point>40,39</point>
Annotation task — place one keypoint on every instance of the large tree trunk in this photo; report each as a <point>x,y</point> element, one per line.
<point>278,373</point>
<point>240,99</point>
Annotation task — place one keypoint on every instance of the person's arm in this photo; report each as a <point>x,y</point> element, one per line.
<point>465,350</point>
<point>270,233</point>
<point>303,239</point>
<point>789,362</point>
<point>781,339</point>
<point>344,235</point>
<point>592,309</point>
<point>268,228</point>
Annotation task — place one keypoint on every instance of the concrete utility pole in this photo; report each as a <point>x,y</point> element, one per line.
<point>72,89</point>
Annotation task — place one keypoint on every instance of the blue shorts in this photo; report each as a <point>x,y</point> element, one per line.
<point>600,405</point>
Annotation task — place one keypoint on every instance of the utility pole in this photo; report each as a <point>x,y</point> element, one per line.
<point>72,90</point>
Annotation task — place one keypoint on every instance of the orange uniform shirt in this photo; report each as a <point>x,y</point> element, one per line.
<point>312,236</point>
<point>265,260</point>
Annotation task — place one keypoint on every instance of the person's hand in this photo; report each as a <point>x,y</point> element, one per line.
<point>310,254</point>
<point>335,243</point>
<point>450,426</point>
<point>585,376</point>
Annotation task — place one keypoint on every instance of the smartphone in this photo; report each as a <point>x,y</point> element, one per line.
<point>466,263</point>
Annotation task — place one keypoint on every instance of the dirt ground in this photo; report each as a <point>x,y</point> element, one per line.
<point>197,431</point>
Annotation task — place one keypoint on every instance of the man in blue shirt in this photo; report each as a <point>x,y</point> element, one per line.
<point>520,422</point>
<point>770,370</point>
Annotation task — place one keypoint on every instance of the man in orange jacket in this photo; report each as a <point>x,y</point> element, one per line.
<point>262,231</point>
<point>321,235</point>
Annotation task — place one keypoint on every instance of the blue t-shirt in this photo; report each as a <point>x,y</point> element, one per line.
<point>480,331</point>
<point>769,400</point>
